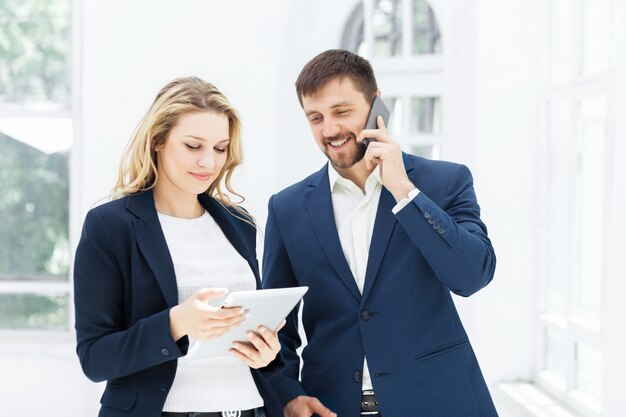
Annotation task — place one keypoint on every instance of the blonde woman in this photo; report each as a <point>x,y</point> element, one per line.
<point>149,261</point>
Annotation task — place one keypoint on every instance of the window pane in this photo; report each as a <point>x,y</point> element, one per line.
<point>387,27</point>
<point>425,151</point>
<point>559,200</point>
<point>426,115</point>
<point>34,51</point>
<point>426,35</point>
<point>353,38</point>
<point>560,41</point>
<point>33,311</point>
<point>396,122</point>
<point>597,35</point>
<point>558,353</point>
<point>590,205</point>
<point>34,199</point>
<point>589,371</point>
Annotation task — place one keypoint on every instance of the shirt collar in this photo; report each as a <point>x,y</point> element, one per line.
<point>334,177</point>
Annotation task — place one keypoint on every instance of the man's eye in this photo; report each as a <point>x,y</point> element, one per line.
<point>315,119</point>
<point>192,146</point>
<point>343,112</point>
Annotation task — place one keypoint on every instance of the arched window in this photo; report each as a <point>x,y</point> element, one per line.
<point>402,39</point>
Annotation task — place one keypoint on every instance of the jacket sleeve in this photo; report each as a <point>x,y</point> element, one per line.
<point>107,346</point>
<point>277,273</point>
<point>453,239</point>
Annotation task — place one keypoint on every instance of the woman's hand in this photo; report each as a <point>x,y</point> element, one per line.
<point>262,348</point>
<point>201,321</point>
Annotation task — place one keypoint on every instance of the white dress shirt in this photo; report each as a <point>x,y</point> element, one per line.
<point>355,214</point>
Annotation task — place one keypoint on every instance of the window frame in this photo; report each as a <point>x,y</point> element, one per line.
<point>578,88</point>
<point>423,73</point>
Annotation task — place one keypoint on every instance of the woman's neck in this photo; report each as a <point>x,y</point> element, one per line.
<point>176,204</point>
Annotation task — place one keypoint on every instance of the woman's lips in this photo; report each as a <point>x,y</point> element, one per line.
<point>201,177</point>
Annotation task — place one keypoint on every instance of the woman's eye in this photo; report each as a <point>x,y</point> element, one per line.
<point>220,150</point>
<point>194,147</point>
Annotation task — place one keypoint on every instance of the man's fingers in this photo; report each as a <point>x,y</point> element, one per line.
<point>319,408</point>
<point>380,122</point>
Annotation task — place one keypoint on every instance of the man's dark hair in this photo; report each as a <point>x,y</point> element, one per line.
<point>336,63</point>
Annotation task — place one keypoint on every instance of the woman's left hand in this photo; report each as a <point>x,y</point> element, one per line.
<point>262,348</point>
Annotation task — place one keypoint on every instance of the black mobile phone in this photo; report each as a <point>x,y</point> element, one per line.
<point>378,109</point>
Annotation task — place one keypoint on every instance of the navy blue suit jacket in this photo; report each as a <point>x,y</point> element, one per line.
<point>405,322</point>
<point>124,287</point>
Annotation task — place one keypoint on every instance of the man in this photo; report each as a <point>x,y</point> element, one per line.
<point>381,238</point>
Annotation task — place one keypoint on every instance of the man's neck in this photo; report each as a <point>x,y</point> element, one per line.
<point>357,173</point>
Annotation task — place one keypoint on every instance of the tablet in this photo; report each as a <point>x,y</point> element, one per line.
<point>265,307</point>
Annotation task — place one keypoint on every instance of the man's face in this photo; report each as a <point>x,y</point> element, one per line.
<point>337,113</point>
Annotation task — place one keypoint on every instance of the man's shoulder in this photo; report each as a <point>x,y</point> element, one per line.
<point>436,168</point>
<point>421,163</point>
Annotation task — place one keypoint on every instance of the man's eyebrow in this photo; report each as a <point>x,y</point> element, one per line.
<point>334,106</point>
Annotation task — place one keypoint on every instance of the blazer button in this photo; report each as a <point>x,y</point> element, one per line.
<point>441,231</point>
<point>357,376</point>
<point>165,352</point>
<point>436,226</point>
<point>431,220</point>
<point>365,315</point>
<point>427,215</point>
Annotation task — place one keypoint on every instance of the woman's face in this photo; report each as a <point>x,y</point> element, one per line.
<point>194,153</point>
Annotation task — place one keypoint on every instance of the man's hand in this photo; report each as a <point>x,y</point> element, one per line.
<point>304,406</point>
<point>387,154</point>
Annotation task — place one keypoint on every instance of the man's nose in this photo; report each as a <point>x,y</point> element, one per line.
<point>330,129</point>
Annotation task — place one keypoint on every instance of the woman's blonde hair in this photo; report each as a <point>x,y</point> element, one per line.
<point>138,166</point>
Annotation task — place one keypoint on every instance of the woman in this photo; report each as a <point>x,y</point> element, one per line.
<point>149,261</point>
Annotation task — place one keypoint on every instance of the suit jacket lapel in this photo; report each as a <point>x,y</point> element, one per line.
<point>226,222</point>
<point>152,245</point>
<point>320,207</point>
<point>383,226</point>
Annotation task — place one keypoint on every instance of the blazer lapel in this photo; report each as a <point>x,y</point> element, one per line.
<point>383,226</point>
<point>152,245</point>
<point>320,207</point>
<point>226,222</point>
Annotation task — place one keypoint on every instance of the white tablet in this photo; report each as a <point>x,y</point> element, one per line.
<point>265,307</point>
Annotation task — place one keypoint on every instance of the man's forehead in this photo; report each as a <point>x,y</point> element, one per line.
<point>334,93</point>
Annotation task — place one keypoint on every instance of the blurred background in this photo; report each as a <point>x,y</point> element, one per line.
<point>531,95</point>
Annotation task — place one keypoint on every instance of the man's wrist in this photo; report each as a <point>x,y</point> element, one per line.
<point>402,190</point>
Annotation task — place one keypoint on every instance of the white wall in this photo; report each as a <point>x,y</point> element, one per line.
<point>507,129</point>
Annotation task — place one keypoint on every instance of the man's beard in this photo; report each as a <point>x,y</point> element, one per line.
<point>349,160</point>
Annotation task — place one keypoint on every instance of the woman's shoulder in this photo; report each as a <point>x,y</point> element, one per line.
<point>112,213</point>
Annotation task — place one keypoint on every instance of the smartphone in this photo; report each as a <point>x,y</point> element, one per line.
<point>378,109</point>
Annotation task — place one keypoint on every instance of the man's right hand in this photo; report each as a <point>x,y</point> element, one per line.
<point>304,406</point>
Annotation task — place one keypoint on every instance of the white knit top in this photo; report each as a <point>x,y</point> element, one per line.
<point>204,258</point>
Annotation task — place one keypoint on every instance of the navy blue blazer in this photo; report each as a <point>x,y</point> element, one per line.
<point>124,287</point>
<point>405,322</point>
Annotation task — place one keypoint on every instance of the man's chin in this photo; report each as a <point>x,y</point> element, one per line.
<point>344,163</point>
